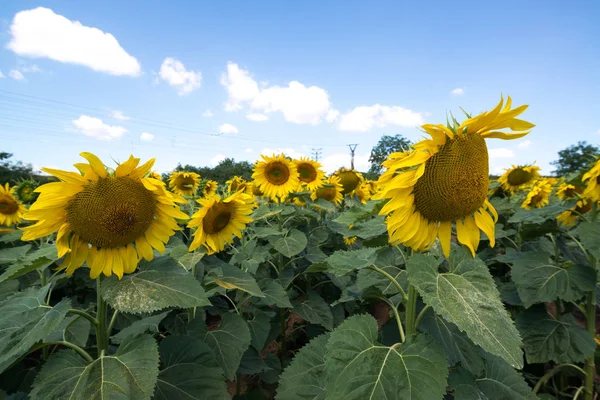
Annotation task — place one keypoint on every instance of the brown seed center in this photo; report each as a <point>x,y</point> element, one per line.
<point>217,218</point>
<point>307,172</point>
<point>7,205</point>
<point>277,173</point>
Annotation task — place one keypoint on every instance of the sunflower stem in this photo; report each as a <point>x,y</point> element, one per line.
<point>85,315</point>
<point>101,331</point>
<point>553,372</point>
<point>398,319</point>
<point>192,310</point>
<point>411,309</point>
<point>391,279</point>
<point>421,315</point>
<point>590,317</point>
<point>112,323</point>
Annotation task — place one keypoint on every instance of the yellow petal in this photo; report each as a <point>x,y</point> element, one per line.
<point>468,234</point>
<point>144,249</point>
<point>445,236</point>
<point>96,262</point>
<point>142,170</point>
<point>69,177</point>
<point>95,163</point>
<point>486,224</point>
<point>127,167</point>
<point>110,260</point>
<point>117,266</point>
<point>504,135</point>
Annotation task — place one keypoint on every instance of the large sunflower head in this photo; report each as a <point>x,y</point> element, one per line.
<point>569,217</point>
<point>592,190</point>
<point>349,179</point>
<point>24,191</point>
<point>310,173</point>
<point>276,176</point>
<point>210,188</point>
<point>568,191</point>
<point>218,220</point>
<point>236,184</point>
<point>519,177</point>
<point>445,179</point>
<point>538,196</point>
<point>11,209</point>
<point>184,183</point>
<point>331,191</point>
<point>109,220</point>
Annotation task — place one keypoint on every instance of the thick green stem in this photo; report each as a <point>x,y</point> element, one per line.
<point>85,315</point>
<point>101,331</point>
<point>391,279</point>
<point>411,309</point>
<point>192,310</point>
<point>398,319</point>
<point>420,316</point>
<point>112,323</point>
<point>70,345</point>
<point>553,372</point>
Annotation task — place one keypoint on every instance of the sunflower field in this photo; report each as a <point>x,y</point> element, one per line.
<point>432,282</point>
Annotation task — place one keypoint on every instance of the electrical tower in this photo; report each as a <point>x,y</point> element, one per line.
<point>316,154</point>
<point>352,149</point>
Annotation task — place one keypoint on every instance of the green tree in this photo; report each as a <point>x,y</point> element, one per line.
<point>386,145</point>
<point>13,171</point>
<point>575,158</point>
<point>222,172</point>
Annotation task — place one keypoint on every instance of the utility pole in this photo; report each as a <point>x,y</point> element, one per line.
<point>316,154</point>
<point>352,149</point>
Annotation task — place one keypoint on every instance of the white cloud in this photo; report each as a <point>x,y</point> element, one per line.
<point>228,128</point>
<point>116,114</point>
<point>458,92</point>
<point>95,128</point>
<point>40,33</point>
<point>256,117</point>
<point>2,76</point>
<point>333,162</point>
<point>332,115</point>
<point>501,152</point>
<point>217,159</point>
<point>288,151</point>
<point>365,118</point>
<point>298,103</point>
<point>16,75</point>
<point>146,137</point>
<point>30,68</point>
<point>526,143</point>
<point>240,87</point>
<point>175,74</point>
<point>248,150</point>
<point>207,114</point>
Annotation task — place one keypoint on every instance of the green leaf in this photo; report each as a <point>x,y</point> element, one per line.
<point>342,262</point>
<point>129,374</point>
<point>304,378</point>
<point>315,310</point>
<point>251,363</point>
<point>40,258</point>
<point>266,231</point>
<point>12,254</point>
<point>24,320</point>
<point>260,326</point>
<point>274,293</point>
<point>371,228</point>
<point>537,215</point>
<point>138,327</point>
<point>7,289</point>
<point>539,280</point>
<point>72,329</point>
<point>367,278</point>
<point>499,382</point>
<point>589,235</point>
<point>13,236</point>
<point>290,245</point>
<point>228,342</point>
<point>263,212</point>
<point>548,339</point>
<point>355,214</point>
<point>190,371</point>
<point>359,368</point>
<point>468,298</point>
<point>159,284</point>
<point>318,236</point>
<point>229,277</point>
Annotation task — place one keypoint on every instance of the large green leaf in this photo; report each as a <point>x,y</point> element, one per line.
<point>274,294</point>
<point>343,262</point>
<point>260,326</point>
<point>12,254</point>
<point>229,277</point>
<point>24,320</point>
<point>367,278</point>
<point>72,329</point>
<point>190,371</point>
<point>537,215</point>
<point>304,378</point>
<point>315,310</point>
<point>467,297</point>
<point>539,280</point>
<point>291,244</point>
<point>360,368</point>
<point>159,284</point>
<point>457,346</point>
<point>228,342</point>
<point>498,382</point>
<point>589,235</point>
<point>39,258</point>
<point>138,327</point>
<point>130,374</point>
<point>548,339</point>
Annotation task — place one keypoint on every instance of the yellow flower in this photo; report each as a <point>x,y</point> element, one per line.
<point>218,220</point>
<point>24,191</point>
<point>298,201</point>
<point>373,186</point>
<point>350,241</point>
<point>519,177</point>
<point>569,217</point>
<point>210,188</point>
<point>276,177</point>
<point>592,190</point>
<point>155,175</point>
<point>445,179</point>
<point>184,183</point>
<point>349,179</point>
<point>236,184</point>
<point>111,221</point>
<point>310,173</point>
<point>567,191</point>
<point>11,209</point>
<point>538,196</point>
<point>331,191</point>
<point>362,193</point>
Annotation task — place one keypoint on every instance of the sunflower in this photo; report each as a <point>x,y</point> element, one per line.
<point>539,195</point>
<point>362,193</point>
<point>218,220</point>
<point>184,183</point>
<point>331,191</point>
<point>276,176</point>
<point>253,190</point>
<point>310,173</point>
<point>349,241</point>
<point>155,175</point>
<point>446,179</point>
<point>567,191</point>
<point>11,209</point>
<point>349,179</point>
<point>519,177</point>
<point>210,188</point>
<point>569,217</point>
<point>24,191</point>
<point>592,190</point>
<point>372,185</point>
<point>109,220</point>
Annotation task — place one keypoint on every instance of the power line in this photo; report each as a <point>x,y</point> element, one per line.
<point>352,150</point>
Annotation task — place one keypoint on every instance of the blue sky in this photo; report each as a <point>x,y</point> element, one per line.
<point>198,80</point>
